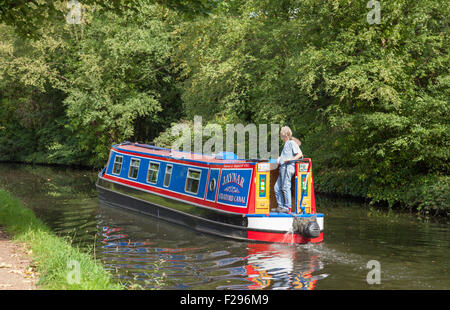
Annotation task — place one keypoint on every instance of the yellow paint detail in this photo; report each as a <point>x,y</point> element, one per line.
<point>262,204</point>
<point>302,174</point>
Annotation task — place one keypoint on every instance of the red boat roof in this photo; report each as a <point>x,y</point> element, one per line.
<point>159,151</point>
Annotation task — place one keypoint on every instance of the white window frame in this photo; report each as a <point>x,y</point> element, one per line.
<point>187,179</point>
<point>114,164</point>
<point>157,171</point>
<point>165,174</point>
<point>138,166</point>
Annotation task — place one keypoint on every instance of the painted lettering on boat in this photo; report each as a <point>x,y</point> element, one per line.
<point>232,199</point>
<point>234,187</point>
<point>235,178</point>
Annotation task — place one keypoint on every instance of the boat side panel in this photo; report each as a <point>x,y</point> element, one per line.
<point>212,185</point>
<point>231,192</point>
<point>178,178</point>
<point>234,187</point>
<point>251,199</point>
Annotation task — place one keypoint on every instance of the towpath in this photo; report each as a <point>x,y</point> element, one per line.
<point>16,272</point>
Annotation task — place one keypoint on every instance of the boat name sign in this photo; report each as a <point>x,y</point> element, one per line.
<point>235,187</point>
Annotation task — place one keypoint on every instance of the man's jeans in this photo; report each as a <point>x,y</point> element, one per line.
<point>282,187</point>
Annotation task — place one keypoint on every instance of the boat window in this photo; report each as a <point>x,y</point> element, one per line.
<point>212,185</point>
<point>117,164</point>
<point>152,175</point>
<point>193,181</point>
<point>134,168</point>
<point>168,175</point>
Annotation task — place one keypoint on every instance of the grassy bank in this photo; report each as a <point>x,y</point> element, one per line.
<point>57,261</point>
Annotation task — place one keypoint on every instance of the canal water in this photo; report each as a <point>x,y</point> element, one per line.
<point>363,248</point>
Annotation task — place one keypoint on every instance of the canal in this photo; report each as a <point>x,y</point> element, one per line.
<point>360,243</point>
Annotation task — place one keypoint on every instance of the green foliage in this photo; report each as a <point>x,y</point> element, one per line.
<point>120,73</point>
<point>28,16</point>
<point>369,101</point>
<point>80,88</point>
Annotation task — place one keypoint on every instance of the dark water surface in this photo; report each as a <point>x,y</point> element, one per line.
<point>140,251</point>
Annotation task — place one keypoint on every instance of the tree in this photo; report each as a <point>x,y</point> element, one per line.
<point>369,100</point>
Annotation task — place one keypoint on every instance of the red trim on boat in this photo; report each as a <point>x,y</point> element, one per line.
<point>251,194</point>
<point>280,237</point>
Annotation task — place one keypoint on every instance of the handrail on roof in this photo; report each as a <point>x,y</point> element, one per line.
<point>151,147</point>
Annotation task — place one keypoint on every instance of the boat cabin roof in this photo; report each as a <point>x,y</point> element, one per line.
<point>145,149</point>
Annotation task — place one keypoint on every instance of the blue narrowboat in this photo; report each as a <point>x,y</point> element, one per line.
<point>216,194</point>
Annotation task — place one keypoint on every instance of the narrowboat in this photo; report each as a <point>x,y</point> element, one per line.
<point>217,194</point>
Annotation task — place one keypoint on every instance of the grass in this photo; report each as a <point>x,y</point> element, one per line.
<point>59,264</point>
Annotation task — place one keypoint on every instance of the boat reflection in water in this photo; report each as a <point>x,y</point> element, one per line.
<point>182,264</point>
<point>271,266</point>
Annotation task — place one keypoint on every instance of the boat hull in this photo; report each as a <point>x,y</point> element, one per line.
<point>203,219</point>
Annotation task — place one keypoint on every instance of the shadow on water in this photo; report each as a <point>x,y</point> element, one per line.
<point>144,252</point>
